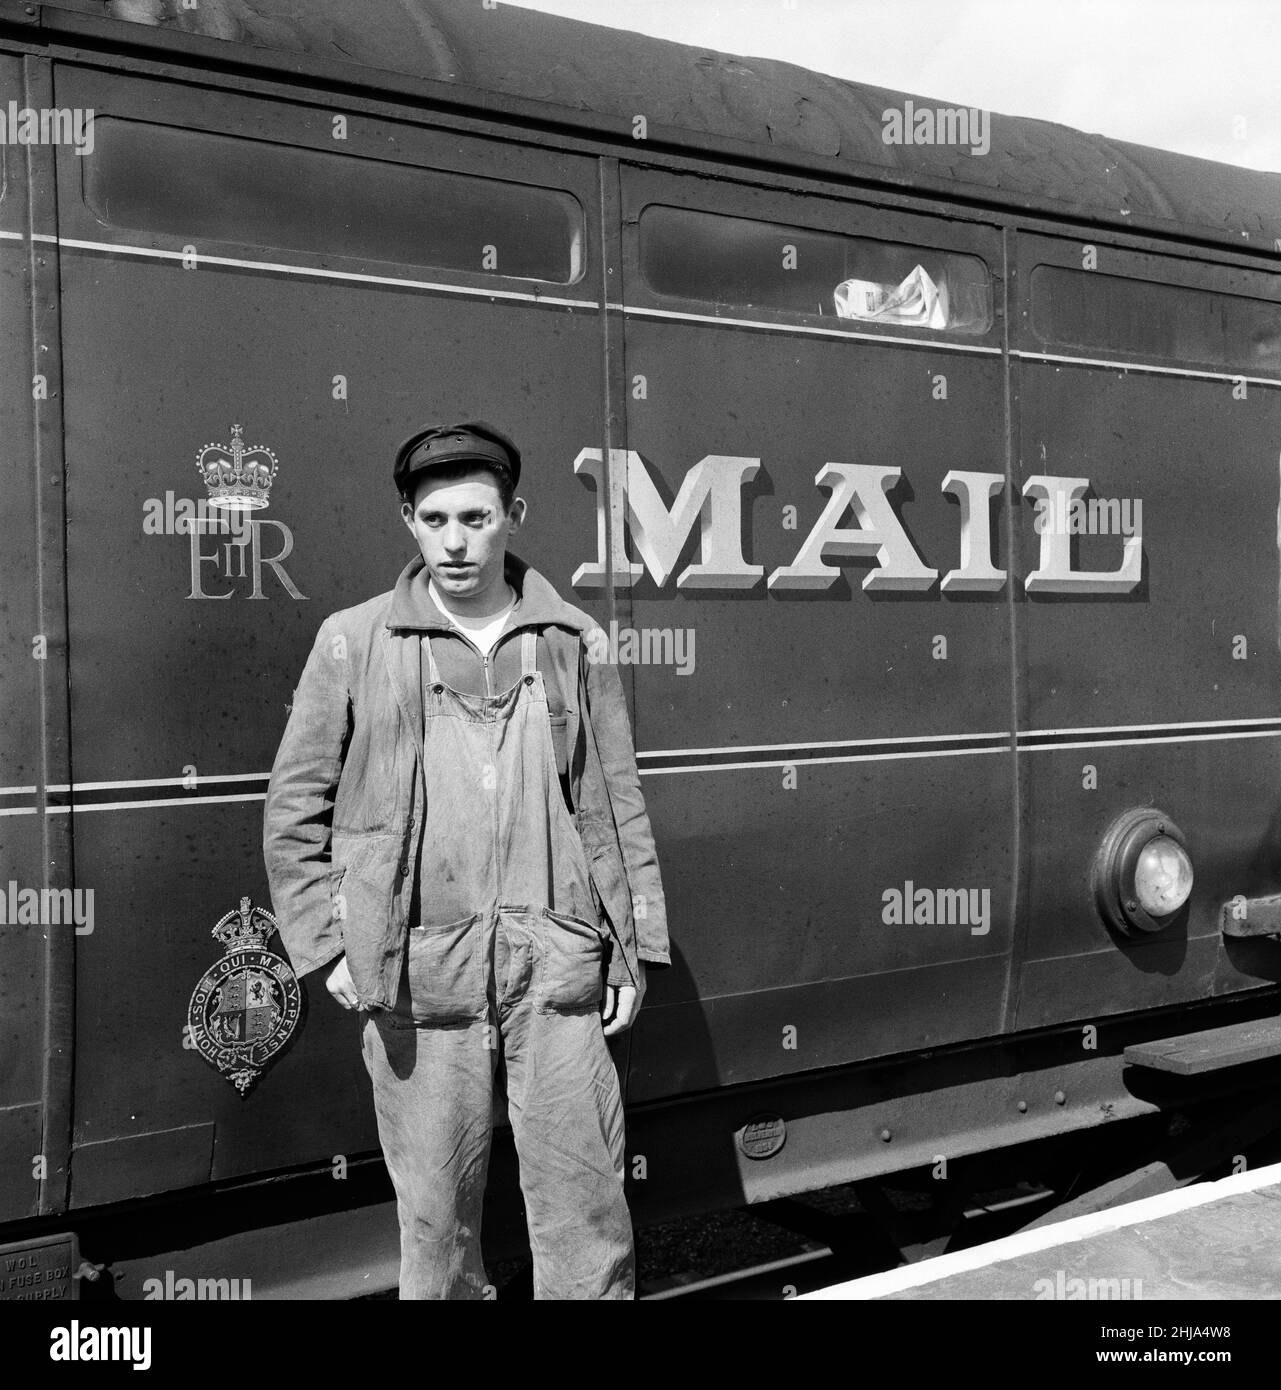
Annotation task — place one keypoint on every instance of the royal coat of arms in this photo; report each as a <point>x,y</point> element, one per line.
<point>247,1005</point>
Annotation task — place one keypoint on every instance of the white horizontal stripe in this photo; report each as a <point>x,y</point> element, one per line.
<point>280,268</point>
<point>161,782</point>
<point>637,310</point>
<point>811,762</point>
<point>1191,726</point>
<point>1144,367</point>
<point>1134,742</point>
<point>1130,728</point>
<point>1069,1232</point>
<point>147,805</point>
<point>778,988</point>
<point>814,743</point>
<point>20,811</point>
<point>1208,724</point>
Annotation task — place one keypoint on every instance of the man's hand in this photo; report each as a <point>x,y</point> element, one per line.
<point>340,986</point>
<point>622,1003</point>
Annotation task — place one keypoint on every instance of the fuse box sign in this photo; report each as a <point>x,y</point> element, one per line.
<point>39,1271</point>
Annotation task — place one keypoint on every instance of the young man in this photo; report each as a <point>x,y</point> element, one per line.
<point>454,825</point>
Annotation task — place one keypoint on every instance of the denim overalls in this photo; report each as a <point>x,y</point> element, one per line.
<point>506,961</point>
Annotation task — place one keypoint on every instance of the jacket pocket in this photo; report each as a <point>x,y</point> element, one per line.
<point>444,975</point>
<point>571,974</point>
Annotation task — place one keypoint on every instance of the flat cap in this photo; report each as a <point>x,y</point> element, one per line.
<point>471,440</point>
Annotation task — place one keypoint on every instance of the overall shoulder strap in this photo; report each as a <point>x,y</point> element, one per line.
<point>433,671</point>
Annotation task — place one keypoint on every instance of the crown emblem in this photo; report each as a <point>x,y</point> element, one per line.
<point>247,1005</point>
<point>247,928</point>
<point>237,475</point>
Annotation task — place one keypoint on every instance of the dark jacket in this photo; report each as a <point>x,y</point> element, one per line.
<point>347,785</point>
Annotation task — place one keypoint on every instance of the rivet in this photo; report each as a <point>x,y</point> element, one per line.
<point>1060,1098</point>
<point>1131,905</point>
<point>1160,827</point>
<point>1022,1106</point>
<point>886,1135</point>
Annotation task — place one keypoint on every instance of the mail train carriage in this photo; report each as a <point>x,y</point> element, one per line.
<point>929,775</point>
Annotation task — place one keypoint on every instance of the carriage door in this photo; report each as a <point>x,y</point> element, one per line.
<point>259,297</point>
<point>815,459</point>
<point>1150,384</point>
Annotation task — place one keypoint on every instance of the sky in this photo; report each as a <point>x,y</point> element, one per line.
<point>1202,77</point>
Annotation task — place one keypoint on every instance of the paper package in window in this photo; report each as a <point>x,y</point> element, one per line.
<point>918,300</point>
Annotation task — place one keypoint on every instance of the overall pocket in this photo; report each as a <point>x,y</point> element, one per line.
<point>444,975</point>
<point>572,968</point>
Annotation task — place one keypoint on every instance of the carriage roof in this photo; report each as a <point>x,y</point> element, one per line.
<point>562,72</point>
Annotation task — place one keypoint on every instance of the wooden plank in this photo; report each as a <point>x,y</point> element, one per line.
<point>1212,1050</point>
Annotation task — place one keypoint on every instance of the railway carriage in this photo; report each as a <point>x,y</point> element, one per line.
<point>927,494</point>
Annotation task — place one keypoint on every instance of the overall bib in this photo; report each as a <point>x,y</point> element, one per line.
<point>507,961</point>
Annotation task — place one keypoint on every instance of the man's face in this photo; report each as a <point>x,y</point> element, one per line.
<point>462,532</point>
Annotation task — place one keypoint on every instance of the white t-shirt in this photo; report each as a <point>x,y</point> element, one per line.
<point>483,633</point>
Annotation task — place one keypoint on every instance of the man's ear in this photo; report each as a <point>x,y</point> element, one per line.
<point>407,516</point>
<point>516,517</point>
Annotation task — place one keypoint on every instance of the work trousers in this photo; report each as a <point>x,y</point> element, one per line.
<point>433,1088</point>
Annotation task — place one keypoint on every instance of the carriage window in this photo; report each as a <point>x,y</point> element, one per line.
<point>1085,309</point>
<point>732,261</point>
<point>193,184</point>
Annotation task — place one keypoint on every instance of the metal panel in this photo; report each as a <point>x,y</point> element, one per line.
<point>37,944</point>
<point>790,931</point>
<point>21,1141</point>
<point>161,360</point>
<point>135,1164</point>
<point>1200,453</point>
<point>22,946</point>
